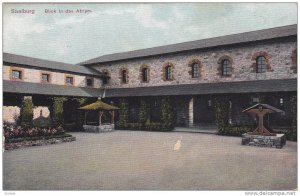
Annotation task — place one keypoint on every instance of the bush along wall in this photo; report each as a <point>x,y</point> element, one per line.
<point>292,133</point>
<point>143,113</point>
<point>123,115</point>
<point>26,115</point>
<point>57,111</point>
<point>222,113</point>
<point>80,113</point>
<point>168,122</point>
<point>144,123</point>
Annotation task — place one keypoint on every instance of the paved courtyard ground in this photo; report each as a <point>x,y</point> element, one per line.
<point>136,160</point>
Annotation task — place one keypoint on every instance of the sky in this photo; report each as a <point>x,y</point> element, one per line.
<point>106,28</point>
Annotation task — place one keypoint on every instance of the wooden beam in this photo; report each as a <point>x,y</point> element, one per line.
<point>100,117</point>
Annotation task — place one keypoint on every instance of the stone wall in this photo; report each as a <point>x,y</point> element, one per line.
<point>34,75</point>
<point>10,114</point>
<point>279,56</point>
<point>41,115</point>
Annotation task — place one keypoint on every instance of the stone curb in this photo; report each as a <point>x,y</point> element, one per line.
<point>24,144</point>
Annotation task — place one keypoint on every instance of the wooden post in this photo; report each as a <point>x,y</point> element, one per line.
<point>100,117</point>
<point>112,116</point>
<point>261,113</point>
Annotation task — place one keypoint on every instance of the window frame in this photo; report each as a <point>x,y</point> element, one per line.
<point>106,77</point>
<point>145,76</point>
<point>49,77</point>
<point>260,64</point>
<point>226,69</point>
<point>294,58</point>
<point>73,80</point>
<point>168,72</point>
<point>20,74</point>
<point>124,78</point>
<point>195,72</point>
<point>92,80</point>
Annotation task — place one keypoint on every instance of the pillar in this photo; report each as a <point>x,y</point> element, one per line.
<point>113,117</point>
<point>191,112</point>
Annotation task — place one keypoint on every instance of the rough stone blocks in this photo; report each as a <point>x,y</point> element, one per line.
<point>277,141</point>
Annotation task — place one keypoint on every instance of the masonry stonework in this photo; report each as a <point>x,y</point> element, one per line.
<point>58,78</point>
<point>10,114</point>
<point>280,57</point>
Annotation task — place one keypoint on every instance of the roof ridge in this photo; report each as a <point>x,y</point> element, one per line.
<point>7,53</point>
<point>90,61</point>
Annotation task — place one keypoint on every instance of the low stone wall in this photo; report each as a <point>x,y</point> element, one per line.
<point>29,143</point>
<point>277,141</point>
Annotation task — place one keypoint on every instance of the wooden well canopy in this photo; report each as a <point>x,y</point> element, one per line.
<point>101,107</point>
<point>260,110</point>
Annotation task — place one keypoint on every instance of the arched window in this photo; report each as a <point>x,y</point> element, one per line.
<point>168,72</point>
<point>226,68</point>
<point>106,77</point>
<point>124,76</point>
<point>195,70</point>
<point>145,73</point>
<point>261,64</point>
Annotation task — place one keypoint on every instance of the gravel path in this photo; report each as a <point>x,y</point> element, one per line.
<point>136,160</point>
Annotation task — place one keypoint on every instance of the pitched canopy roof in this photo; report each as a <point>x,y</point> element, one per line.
<point>252,36</point>
<point>263,106</point>
<point>99,105</point>
<point>30,88</point>
<point>277,85</point>
<point>46,64</point>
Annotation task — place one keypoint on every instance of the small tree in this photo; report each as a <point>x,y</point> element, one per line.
<point>26,112</point>
<point>123,114</point>
<point>167,114</point>
<point>80,113</point>
<point>57,110</point>
<point>143,113</point>
<point>293,132</point>
<point>221,110</point>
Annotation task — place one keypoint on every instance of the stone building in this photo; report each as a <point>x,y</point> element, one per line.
<point>251,67</point>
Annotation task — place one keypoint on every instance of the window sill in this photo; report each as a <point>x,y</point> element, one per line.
<point>229,76</point>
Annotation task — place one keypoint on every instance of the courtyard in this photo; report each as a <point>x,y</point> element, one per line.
<point>139,160</point>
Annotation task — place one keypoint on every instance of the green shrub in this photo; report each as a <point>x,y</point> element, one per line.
<point>133,126</point>
<point>221,110</point>
<point>143,113</point>
<point>72,127</point>
<point>15,140</point>
<point>167,111</point>
<point>26,112</point>
<point>234,131</point>
<point>292,133</point>
<point>154,126</point>
<point>123,114</point>
<point>57,110</point>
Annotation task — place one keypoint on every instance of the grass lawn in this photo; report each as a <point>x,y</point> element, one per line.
<point>137,160</point>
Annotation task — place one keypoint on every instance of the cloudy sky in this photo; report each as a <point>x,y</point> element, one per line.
<point>109,28</point>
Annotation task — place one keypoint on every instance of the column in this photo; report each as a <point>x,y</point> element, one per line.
<point>191,112</point>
